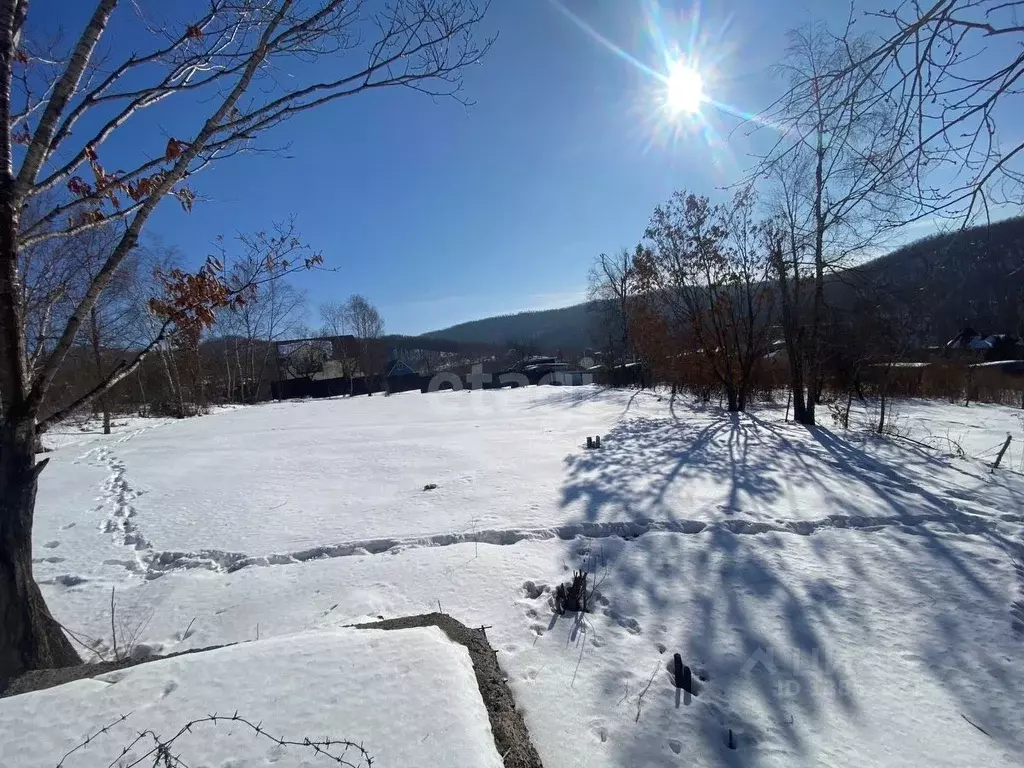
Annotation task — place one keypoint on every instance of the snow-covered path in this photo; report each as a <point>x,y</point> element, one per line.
<point>851,600</point>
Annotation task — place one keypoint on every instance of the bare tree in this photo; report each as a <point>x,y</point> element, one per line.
<point>655,340</point>
<point>520,350</point>
<point>306,359</point>
<point>267,317</point>
<point>953,70</point>
<point>838,182</point>
<point>229,61</point>
<point>368,327</point>
<point>611,288</point>
<point>57,275</point>
<point>335,319</point>
<point>115,326</point>
<point>708,265</point>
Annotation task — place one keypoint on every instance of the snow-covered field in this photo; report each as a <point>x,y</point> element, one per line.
<point>850,600</point>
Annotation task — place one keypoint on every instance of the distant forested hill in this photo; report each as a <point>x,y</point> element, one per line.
<point>973,277</point>
<point>548,330</point>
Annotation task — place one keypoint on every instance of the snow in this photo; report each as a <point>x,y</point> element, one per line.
<point>852,600</point>
<point>352,685</point>
<point>80,432</point>
<point>903,364</point>
<point>979,429</point>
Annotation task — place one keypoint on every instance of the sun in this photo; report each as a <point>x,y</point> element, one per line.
<point>684,89</point>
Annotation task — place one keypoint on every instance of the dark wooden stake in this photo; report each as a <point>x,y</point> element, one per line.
<point>677,660</point>
<point>1002,450</point>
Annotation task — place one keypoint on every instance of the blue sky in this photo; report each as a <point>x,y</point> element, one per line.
<point>440,214</point>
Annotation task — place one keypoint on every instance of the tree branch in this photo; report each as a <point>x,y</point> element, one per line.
<point>40,146</point>
<point>44,377</point>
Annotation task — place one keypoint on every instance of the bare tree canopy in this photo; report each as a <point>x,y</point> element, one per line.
<point>611,284</point>
<point>955,68</point>
<point>241,67</point>
<point>367,325</point>
<point>946,76</point>
<point>363,318</point>
<point>229,59</point>
<point>708,265</point>
<point>334,318</point>
<point>837,179</point>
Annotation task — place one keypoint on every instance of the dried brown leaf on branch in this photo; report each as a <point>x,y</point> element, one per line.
<point>87,217</point>
<point>174,149</point>
<point>79,186</point>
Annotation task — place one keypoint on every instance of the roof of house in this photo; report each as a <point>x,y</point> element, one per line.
<point>398,368</point>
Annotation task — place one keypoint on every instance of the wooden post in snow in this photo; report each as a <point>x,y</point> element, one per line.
<point>1002,450</point>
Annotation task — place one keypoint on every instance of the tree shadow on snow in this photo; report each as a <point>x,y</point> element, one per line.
<point>643,459</point>
<point>775,613</point>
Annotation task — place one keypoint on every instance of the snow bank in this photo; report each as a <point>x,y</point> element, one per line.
<point>409,697</point>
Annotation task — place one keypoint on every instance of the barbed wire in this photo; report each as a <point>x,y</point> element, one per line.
<point>159,752</point>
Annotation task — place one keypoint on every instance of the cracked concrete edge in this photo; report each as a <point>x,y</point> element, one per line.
<point>41,679</point>
<point>511,737</point>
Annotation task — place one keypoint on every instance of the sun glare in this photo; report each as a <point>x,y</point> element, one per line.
<point>684,89</point>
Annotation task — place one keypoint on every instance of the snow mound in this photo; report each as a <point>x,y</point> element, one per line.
<point>409,697</point>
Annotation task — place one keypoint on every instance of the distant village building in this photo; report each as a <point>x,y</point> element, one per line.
<point>993,347</point>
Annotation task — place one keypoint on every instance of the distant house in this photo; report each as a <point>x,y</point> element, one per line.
<point>992,347</point>
<point>539,360</point>
<point>538,365</point>
<point>399,377</point>
<point>398,368</point>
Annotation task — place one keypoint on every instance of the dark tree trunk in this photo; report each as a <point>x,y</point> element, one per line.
<point>883,400</point>
<point>793,336</point>
<point>800,415</point>
<point>796,384</point>
<point>732,398</point>
<point>29,637</point>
